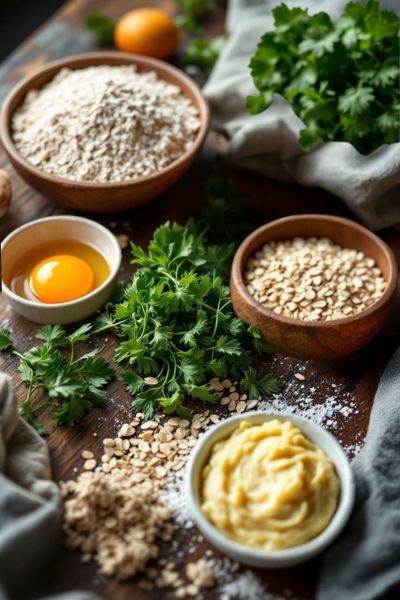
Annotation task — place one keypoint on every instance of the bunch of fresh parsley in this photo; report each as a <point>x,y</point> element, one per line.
<point>102,28</point>
<point>54,376</point>
<point>341,77</point>
<point>191,13</point>
<point>204,53</point>
<point>176,318</point>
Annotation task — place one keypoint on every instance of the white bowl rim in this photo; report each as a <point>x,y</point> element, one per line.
<point>114,268</point>
<point>296,554</point>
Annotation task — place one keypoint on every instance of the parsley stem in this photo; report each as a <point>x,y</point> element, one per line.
<point>175,367</point>
<point>144,326</point>
<point>216,318</point>
<point>26,409</point>
<point>43,405</point>
<point>27,400</point>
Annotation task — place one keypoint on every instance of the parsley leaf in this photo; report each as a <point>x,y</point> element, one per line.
<point>340,77</point>
<point>52,334</point>
<point>101,27</point>
<point>54,378</point>
<point>259,383</point>
<point>204,53</point>
<point>355,100</point>
<point>81,334</point>
<point>176,321</point>
<point>191,13</point>
<point>5,340</point>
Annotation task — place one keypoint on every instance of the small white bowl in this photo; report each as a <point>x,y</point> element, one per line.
<point>261,558</point>
<point>50,229</point>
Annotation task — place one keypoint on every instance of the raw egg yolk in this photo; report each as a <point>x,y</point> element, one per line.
<point>61,278</point>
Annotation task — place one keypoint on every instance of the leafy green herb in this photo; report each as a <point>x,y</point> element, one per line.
<point>176,319</point>
<point>71,385</point>
<point>223,219</point>
<point>189,24</point>
<point>192,11</point>
<point>102,28</point>
<point>5,340</point>
<point>204,53</point>
<point>341,77</point>
<point>259,383</point>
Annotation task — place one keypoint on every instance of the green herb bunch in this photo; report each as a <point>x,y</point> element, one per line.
<point>341,77</point>
<point>191,13</point>
<point>102,28</point>
<point>5,340</point>
<point>55,377</point>
<point>177,322</point>
<point>204,53</point>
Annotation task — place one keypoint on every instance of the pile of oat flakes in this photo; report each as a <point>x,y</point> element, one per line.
<point>313,279</point>
<point>105,123</point>
<point>114,512</point>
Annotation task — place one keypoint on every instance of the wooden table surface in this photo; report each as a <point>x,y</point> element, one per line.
<point>355,376</point>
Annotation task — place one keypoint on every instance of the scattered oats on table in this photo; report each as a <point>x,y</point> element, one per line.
<point>115,512</point>
<point>123,240</point>
<point>299,377</point>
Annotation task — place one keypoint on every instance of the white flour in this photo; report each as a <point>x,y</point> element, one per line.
<point>104,123</point>
<point>244,587</point>
<point>334,412</point>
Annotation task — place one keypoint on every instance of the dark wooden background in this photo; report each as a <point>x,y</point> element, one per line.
<point>357,375</point>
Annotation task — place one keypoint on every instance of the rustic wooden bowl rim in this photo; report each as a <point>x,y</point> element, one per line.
<point>241,255</point>
<point>88,59</point>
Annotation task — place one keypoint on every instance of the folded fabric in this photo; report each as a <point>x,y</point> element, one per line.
<point>365,562</point>
<point>268,142</point>
<point>30,505</point>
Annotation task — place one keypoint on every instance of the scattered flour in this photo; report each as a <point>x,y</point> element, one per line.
<point>174,495</point>
<point>244,587</point>
<point>329,414</point>
<point>236,584</point>
<point>105,123</point>
<point>304,399</point>
<point>297,397</point>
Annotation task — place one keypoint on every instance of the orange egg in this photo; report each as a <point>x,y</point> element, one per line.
<point>147,31</point>
<point>61,278</point>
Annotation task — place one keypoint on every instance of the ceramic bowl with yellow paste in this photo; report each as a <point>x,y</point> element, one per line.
<point>269,489</point>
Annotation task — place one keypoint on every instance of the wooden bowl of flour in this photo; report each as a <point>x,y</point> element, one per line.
<point>111,196</point>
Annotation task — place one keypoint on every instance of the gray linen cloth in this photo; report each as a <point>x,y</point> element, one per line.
<point>365,562</point>
<point>268,143</point>
<point>30,505</point>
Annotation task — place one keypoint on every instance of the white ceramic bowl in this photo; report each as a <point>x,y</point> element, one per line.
<point>259,558</point>
<point>49,229</point>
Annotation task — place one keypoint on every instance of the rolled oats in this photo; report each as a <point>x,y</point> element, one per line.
<point>114,512</point>
<point>313,279</point>
<point>104,123</point>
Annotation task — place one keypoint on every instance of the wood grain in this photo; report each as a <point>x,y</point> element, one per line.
<point>356,375</point>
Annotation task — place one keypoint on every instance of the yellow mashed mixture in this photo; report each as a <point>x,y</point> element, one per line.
<point>268,487</point>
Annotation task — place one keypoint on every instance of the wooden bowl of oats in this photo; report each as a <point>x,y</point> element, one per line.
<point>105,131</point>
<point>316,286</point>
